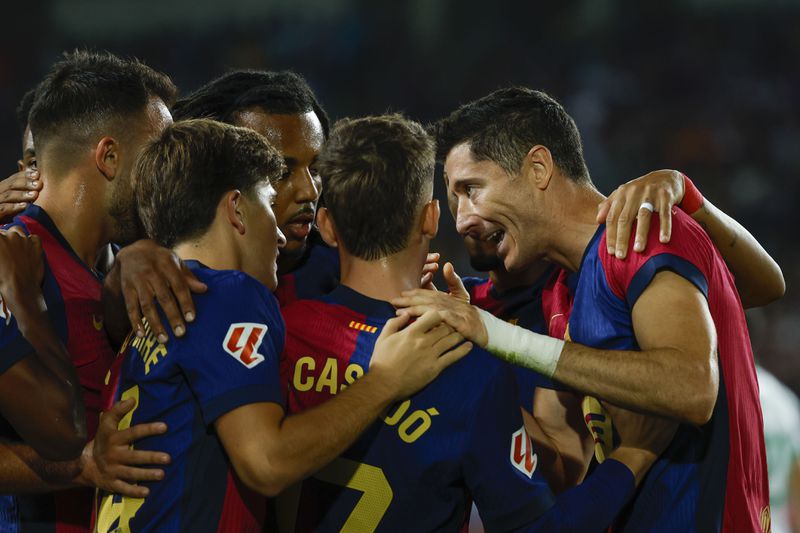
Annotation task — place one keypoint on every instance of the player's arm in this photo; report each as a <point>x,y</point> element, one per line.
<point>144,278</point>
<point>108,462</point>
<point>270,451</point>
<point>675,374</point>
<point>593,505</point>
<point>52,420</point>
<point>759,279</point>
<point>559,419</point>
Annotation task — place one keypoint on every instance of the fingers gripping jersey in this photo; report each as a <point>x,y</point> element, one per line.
<point>415,469</point>
<point>710,478</point>
<point>228,358</point>
<point>72,292</point>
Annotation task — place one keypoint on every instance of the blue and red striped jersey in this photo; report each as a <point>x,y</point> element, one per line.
<point>316,275</point>
<point>522,306</point>
<point>72,292</point>
<point>710,478</point>
<point>228,358</point>
<point>416,469</point>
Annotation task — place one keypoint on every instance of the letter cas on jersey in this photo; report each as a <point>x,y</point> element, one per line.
<point>243,340</point>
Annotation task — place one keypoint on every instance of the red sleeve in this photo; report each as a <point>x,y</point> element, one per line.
<point>690,254</point>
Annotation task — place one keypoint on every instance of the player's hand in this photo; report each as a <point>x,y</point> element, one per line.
<point>454,307</point>
<point>17,191</point>
<point>428,270</point>
<point>409,358</point>
<point>151,274</point>
<point>662,188</point>
<point>110,463</point>
<point>22,267</point>
<point>643,438</point>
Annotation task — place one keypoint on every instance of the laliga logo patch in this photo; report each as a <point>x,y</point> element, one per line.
<point>242,342</point>
<point>4,312</point>
<point>522,456</point>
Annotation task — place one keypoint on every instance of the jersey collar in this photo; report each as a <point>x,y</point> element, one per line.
<point>344,295</point>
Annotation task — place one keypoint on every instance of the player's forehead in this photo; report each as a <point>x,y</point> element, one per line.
<point>297,136</point>
<point>461,168</point>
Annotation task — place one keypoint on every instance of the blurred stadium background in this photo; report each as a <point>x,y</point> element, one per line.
<point>710,87</point>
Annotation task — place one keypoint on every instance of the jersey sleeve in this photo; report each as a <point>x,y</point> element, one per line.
<point>500,466</point>
<point>689,254</point>
<point>231,353</point>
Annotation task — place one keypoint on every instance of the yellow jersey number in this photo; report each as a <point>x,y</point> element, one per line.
<point>117,511</point>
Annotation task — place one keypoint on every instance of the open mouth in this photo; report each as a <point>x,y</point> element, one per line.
<point>298,227</point>
<point>496,237</point>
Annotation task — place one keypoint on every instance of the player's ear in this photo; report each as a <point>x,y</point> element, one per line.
<point>232,207</point>
<point>327,228</point>
<point>430,219</point>
<point>538,165</point>
<point>106,157</point>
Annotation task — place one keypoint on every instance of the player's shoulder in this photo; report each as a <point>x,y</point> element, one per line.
<point>477,374</point>
<point>472,282</point>
<point>230,290</point>
<point>690,253</point>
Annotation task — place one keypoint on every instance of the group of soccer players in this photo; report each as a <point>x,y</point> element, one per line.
<point>233,302</point>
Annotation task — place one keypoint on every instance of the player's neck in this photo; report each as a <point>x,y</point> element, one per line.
<point>503,280</point>
<point>73,209</point>
<point>385,278</point>
<point>575,225</point>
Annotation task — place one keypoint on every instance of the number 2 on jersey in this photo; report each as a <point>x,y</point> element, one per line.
<point>117,511</point>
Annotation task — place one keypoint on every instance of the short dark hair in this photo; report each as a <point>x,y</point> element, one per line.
<point>181,176</point>
<point>24,109</point>
<point>281,93</point>
<point>503,126</point>
<point>86,91</point>
<point>376,173</point>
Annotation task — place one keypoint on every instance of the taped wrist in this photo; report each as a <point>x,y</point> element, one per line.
<point>521,347</point>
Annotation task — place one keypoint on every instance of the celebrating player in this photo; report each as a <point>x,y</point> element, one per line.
<point>666,326</point>
<point>204,190</point>
<point>460,437</point>
<point>87,132</point>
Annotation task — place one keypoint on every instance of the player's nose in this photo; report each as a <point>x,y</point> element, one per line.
<point>307,187</point>
<point>281,238</point>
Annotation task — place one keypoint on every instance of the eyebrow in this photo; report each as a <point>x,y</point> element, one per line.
<point>29,151</point>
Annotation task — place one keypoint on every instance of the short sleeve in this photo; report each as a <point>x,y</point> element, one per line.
<point>689,254</point>
<point>230,356</point>
<point>500,466</point>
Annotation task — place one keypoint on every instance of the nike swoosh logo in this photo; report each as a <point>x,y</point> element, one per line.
<point>98,323</point>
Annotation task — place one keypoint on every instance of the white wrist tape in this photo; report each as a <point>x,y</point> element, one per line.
<point>521,347</point>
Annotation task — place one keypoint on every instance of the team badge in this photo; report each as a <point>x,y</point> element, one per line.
<point>522,456</point>
<point>4,312</point>
<point>242,342</point>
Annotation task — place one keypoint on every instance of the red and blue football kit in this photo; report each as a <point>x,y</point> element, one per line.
<point>316,275</point>
<point>72,293</point>
<point>228,358</point>
<point>523,307</point>
<point>713,477</point>
<point>418,468</point>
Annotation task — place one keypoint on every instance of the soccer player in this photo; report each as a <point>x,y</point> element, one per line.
<point>281,107</point>
<point>90,116</point>
<point>461,437</point>
<point>663,331</point>
<point>519,298</point>
<point>218,388</point>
